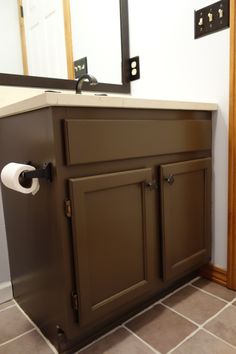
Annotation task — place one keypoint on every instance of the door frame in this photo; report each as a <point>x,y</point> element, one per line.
<point>231,262</point>
<point>23,38</point>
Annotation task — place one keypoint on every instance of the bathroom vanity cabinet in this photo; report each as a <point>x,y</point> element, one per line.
<point>126,216</point>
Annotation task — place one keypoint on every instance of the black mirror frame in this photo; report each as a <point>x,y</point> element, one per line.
<point>63,84</point>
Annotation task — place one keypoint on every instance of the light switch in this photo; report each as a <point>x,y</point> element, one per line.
<point>200,23</point>
<point>210,17</point>
<point>221,13</point>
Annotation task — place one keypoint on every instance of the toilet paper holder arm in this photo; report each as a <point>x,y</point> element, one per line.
<point>44,172</point>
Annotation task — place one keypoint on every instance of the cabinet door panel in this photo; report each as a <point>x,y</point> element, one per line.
<point>186,215</point>
<point>112,226</point>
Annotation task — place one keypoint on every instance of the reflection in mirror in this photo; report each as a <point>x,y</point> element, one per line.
<point>44,38</point>
<point>10,48</point>
<point>102,61</point>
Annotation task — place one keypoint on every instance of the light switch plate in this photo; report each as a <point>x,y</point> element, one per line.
<point>212,18</point>
<point>80,67</point>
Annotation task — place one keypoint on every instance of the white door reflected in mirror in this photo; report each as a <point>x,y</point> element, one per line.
<point>44,38</point>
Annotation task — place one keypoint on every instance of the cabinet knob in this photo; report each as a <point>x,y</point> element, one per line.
<point>151,185</point>
<point>169,179</point>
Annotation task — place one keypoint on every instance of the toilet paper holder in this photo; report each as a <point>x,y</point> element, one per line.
<point>44,172</point>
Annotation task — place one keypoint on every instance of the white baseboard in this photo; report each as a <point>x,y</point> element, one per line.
<point>5,291</point>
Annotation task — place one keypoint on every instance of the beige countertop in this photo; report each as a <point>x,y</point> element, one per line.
<point>90,100</point>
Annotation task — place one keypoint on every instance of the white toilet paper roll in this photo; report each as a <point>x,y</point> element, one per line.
<point>10,178</point>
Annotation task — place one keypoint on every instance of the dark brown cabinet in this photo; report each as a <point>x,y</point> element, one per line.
<point>186,215</point>
<point>137,188</point>
<point>113,237</point>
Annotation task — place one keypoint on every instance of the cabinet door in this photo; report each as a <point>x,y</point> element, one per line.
<point>113,232</point>
<point>186,215</point>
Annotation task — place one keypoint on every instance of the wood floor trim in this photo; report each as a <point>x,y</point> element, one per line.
<point>215,274</point>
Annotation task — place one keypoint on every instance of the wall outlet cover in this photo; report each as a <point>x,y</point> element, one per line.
<point>134,68</point>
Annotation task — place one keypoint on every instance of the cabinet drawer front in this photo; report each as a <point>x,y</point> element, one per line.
<point>186,215</point>
<point>107,140</point>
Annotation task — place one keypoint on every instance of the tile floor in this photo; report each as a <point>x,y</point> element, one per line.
<point>198,318</point>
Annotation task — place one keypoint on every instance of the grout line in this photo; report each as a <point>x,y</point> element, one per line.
<point>195,279</point>
<point>180,314</point>
<point>178,289</point>
<point>222,340</point>
<point>206,292</point>
<point>184,340</point>
<point>141,340</point>
<point>140,313</point>
<point>17,337</point>
<point>214,316</point>
<point>37,329</point>
<point>51,346</point>
<point>98,339</point>
<point>201,326</point>
<point>8,307</point>
<point>160,300</point>
<point>174,292</point>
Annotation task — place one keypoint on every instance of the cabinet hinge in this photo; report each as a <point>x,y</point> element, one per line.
<point>68,210</point>
<point>75,301</point>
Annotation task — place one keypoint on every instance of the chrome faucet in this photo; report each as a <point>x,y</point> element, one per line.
<point>90,78</point>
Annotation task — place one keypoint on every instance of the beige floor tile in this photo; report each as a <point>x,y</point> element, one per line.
<point>204,343</point>
<point>118,342</point>
<point>12,324</point>
<point>6,304</point>
<point>224,325</point>
<point>161,328</point>
<point>215,289</point>
<point>31,343</point>
<point>194,304</point>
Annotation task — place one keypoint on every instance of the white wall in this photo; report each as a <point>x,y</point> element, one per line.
<point>10,45</point>
<point>175,66</point>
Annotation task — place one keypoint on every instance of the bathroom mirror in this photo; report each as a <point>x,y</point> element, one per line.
<point>48,43</point>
